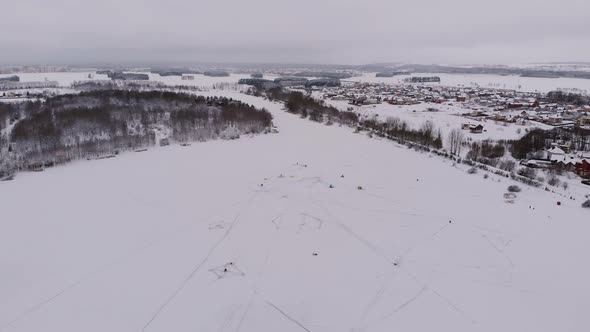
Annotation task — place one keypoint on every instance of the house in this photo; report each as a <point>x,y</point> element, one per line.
<point>537,163</point>
<point>583,168</point>
<point>554,120</point>
<point>534,103</point>
<point>515,105</point>
<point>566,165</point>
<point>556,154</point>
<point>584,121</point>
<point>499,117</point>
<point>476,129</point>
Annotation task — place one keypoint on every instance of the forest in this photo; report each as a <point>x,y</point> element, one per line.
<point>564,97</point>
<point>99,124</point>
<point>535,140</point>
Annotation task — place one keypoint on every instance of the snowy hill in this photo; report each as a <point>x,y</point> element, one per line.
<point>247,235</point>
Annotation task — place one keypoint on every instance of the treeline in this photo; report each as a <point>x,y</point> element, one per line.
<point>128,76</point>
<point>117,85</point>
<point>323,74</point>
<point>174,72</point>
<point>12,78</point>
<point>323,82</point>
<point>216,73</point>
<point>417,79</point>
<point>569,98</point>
<point>394,128</point>
<point>265,84</point>
<point>537,140</point>
<point>308,107</point>
<point>103,123</point>
<point>491,153</point>
<point>400,131</point>
<point>390,73</point>
<point>6,110</point>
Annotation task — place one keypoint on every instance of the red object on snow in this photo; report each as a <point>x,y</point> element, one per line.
<point>558,203</point>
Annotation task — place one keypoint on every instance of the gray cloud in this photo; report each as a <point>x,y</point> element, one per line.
<point>312,31</point>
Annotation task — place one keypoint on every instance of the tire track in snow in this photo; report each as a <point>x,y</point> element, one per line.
<point>503,254</point>
<point>450,303</point>
<point>248,307</point>
<point>405,304</point>
<point>255,286</point>
<point>186,281</point>
<point>373,248</point>
<point>101,270</point>
<point>284,314</point>
<point>227,321</point>
<point>378,251</point>
<point>429,238</point>
<point>89,276</point>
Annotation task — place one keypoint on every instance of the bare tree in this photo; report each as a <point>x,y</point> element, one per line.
<point>455,140</point>
<point>393,123</point>
<point>427,132</point>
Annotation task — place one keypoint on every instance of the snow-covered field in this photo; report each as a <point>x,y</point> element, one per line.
<point>200,80</point>
<point>247,235</point>
<point>64,79</point>
<point>529,84</point>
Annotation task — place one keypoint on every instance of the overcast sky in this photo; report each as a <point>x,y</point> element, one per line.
<point>294,31</point>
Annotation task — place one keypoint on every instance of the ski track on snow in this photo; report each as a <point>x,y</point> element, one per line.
<point>186,281</point>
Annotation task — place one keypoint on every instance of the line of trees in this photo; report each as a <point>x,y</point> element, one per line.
<point>537,139</point>
<point>565,97</point>
<point>394,128</point>
<point>456,137</point>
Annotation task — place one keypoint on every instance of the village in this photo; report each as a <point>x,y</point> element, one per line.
<point>495,104</point>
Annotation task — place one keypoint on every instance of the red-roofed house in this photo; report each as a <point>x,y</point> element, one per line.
<point>583,168</point>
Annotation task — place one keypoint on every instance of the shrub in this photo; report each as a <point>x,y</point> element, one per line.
<point>514,189</point>
<point>553,180</point>
<point>507,165</point>
<point>472,170</point>
<point>485,176</point>
<point>527,172</point>
<point>586,204</point>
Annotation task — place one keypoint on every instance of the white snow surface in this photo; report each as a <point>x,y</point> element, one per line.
<point>511,82</point>
<point>247,235</point>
